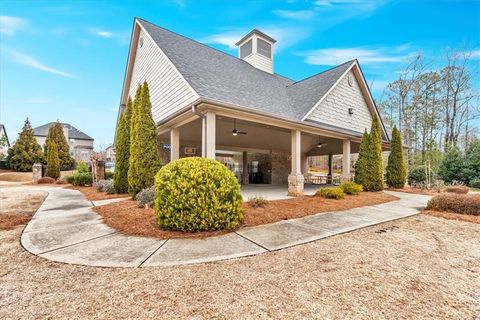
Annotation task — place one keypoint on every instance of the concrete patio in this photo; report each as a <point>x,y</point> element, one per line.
<point>273,192</point>
<point>66,229</point>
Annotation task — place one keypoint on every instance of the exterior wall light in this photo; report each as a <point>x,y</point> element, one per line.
<point>350,111</point>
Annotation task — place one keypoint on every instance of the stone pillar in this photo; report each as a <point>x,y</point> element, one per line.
<point>210,135</point>
<point>37,171</point>
<point>174,144</point>
<point>346,162</point>
<point>245,175</point>
<point>100,170</point>
<point>330,169</point>
<point>296,179</point>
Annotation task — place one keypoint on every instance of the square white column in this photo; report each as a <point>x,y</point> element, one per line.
<point>210,134</point>
<point>296,179</point>
<point>346,161</point>
<point>174,144</point>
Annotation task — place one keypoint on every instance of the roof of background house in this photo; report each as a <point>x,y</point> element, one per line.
<point>73,133</point>
<point>2,128</point>
<point>216,75</point>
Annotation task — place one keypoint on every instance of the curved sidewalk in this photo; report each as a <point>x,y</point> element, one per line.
<point>66,229</point>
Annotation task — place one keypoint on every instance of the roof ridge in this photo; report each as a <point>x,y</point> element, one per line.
<point>212,48</point>
<point>324,71</point>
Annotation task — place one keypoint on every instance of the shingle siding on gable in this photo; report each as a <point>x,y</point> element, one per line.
<point>169,93</point>
<point>333,109</point>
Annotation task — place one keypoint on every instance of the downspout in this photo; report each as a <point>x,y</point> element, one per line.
<point>204,129</point>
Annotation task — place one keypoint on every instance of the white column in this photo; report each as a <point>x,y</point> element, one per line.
<point>296,152</point>
<point>210,133</point>
<point>296,179</point>
<point>174,144</point>
<point>204,130</point>
<point>346,160</point>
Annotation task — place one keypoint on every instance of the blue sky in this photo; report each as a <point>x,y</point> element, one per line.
<point>66,60</point>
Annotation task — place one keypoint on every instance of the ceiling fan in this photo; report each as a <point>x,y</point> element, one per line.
<point>235,131</point>
<point>320,144</point>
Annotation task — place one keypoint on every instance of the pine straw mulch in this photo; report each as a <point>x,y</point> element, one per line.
<point>453,216</point>
<point>18,208</point>
<point>416,191</point>
<point>126,217</point>
<point>93,194</point>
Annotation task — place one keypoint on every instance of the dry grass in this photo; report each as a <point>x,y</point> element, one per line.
<point>453,216</point>
<point>13,176</point>
<point>126,217</point>
<point>416,191</point>
<point>17,208</point>
<point>426,268</point>
<point>93,194</point>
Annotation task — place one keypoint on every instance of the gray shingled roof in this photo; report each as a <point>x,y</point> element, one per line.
<point>216,75</point>
<point>73,133</point>
<point>2,128</point>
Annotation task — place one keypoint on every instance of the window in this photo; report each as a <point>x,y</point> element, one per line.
<point>246,49</point>
<point>264,48</point>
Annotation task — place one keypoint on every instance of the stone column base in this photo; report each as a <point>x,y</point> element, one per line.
<point>345,178</point>
<point>295,185</point>
<point>37,171</point>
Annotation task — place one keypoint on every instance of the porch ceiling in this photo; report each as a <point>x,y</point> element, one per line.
<point>259,137</point>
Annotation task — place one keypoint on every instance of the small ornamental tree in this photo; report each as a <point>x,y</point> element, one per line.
<point>396,171</point>
<point>122,151</point>
<point>144,161</point>
<point>55,133</point>
<point>361,165</point>
<point>26,150</point>
<point>451,166</point>
<point>374,182</point>
<point>53,162</point>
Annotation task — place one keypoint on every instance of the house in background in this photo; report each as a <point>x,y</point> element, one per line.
<point>81,145</point>
<point>4,142</point>
<point>110,153</point>
<point>262,125</point>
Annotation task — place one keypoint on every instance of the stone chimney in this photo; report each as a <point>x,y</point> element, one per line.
<point>256,48</point>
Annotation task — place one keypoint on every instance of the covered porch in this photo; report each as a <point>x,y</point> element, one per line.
<point>266,155</point>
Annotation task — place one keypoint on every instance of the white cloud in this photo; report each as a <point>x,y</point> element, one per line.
<point>475,54</point>
<point>29,61</point>
<point>335,56</point>
<point>227,38</point>
<point>122,37</point>
<point>180,3</point>
<point>295,14</point>
<point>105,34</point>
<point>10,25</point>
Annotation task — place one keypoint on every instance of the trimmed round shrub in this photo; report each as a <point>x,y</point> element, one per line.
<point>82,179</point>
<point>60,181</point>
<point>458,203</point>
<point>70,179</point>
<point>46,180</point>
<point>457,189</point>
<point>474,183</point>
<point>331,193</point>
<point>351,188</point>
<point>194,194</point>
<point>105,186</point>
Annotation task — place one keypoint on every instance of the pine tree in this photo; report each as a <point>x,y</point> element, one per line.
<point>361,165</point>
<point>26,150</point>
<point>451,166</point>
<point>55,133</point>
<point>144,159</point>
<point>53,161</point>
<point>122,150</point>
<point>396,171</point>
<point>374,182</point>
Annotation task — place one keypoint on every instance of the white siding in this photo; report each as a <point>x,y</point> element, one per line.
<point>169,92</point>
<point>333,109</point>
<point>260,62</point>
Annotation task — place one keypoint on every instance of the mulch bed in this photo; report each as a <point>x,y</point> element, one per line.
<point>126,217</point>
<point>453,216</point>
<point>416,191</point>
<point>93,194</point>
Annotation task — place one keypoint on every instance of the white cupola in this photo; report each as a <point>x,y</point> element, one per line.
<point>256,48</point>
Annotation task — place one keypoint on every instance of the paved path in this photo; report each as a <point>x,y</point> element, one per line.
<point>66,229</point>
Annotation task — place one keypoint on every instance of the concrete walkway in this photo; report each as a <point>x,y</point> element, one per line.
<point>66,229</point>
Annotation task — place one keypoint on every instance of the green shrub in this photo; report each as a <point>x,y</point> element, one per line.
<point>82,179</point>
<point>146,197</point>
<point>331,193</point>
<point>55,134</point>
<point>53,162</point>
<point>193,194</point>
<point>109,175</point>
<point>25,152</point>
<point>457,189</point>
<point>458,203</point>
<point>351,188</point>
<point>105,186</point>
<point>122,150</point>
<point>82,167</point>
<point>396,171</point>
<point>475,183</point>
<point>257,201</point>
<point>418,175</point>
<point>70,179</point>
<point>451,166</point>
